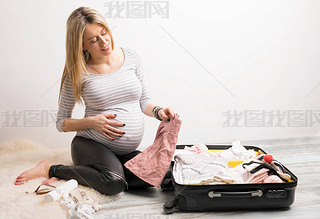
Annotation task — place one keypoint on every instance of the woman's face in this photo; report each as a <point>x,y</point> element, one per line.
<point>96,40</point>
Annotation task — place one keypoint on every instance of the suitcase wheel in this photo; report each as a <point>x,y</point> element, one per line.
<point>166,185</point>
<point>169,207</point>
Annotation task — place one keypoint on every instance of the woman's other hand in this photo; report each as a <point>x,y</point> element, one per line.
<point>166,114</point>
<point>104,125</point>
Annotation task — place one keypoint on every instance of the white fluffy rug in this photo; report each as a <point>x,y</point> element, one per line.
<point>21,201</point>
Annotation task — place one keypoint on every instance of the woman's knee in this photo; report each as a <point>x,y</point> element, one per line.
<point>112,183</point>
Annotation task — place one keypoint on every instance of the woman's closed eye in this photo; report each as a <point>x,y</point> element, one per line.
<point>97,39</point>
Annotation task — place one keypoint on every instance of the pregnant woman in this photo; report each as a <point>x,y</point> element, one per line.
<point>111,83</point>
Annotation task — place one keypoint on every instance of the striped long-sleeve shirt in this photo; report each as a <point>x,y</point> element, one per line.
<point>122,92</point>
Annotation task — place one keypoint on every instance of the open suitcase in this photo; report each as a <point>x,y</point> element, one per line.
<point>231,196</point>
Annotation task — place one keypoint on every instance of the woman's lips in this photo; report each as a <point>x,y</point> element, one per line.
<point>105,48</point>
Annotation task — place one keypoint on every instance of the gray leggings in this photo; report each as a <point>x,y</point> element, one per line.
<point>97,167</point>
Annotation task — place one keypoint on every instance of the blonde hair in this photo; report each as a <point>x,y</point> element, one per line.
<point>76,58</point>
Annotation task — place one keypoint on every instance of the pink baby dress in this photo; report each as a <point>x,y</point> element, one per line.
<point>152,164</point>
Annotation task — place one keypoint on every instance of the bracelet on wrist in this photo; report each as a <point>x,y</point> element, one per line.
<point>155,112</point>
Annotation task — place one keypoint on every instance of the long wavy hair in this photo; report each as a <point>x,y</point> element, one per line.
<point>76,58</point>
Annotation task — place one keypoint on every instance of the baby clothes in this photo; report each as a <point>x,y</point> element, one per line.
<point>152,164</point>
<point>201,169</point>
<point>197,165</point>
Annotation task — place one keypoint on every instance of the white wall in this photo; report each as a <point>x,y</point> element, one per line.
<point>207,58</point>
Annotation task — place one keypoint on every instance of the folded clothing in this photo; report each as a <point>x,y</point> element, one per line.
<point>198,166</point>
<point>200,169</point>
<point>258,177</point>
<point>272,179</point>
<point>237,152</point>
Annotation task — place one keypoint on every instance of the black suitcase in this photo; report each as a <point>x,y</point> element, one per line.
<point>231,196</point>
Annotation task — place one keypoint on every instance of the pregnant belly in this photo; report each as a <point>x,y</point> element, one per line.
<point>134,128</point>
<point>134,124</point>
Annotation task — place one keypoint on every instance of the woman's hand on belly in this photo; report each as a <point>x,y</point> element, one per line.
<point>105,125</point>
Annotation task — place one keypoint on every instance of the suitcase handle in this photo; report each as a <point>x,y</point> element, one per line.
<point>257,193</point>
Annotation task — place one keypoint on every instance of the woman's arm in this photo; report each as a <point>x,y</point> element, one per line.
<point>164,114</point>
<point>100,123</point>
<point>66,104</point>
<point>148,109</point>
<point>70,125</point>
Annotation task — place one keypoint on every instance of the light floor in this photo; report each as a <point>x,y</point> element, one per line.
<point>300,155</point>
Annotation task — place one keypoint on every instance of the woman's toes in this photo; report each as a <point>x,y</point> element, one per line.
<point>21,176</point>
<point>19,179</point>
<point>20,182</point>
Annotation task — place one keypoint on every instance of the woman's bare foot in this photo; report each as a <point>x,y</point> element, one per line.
<point>41,170</point>
<point>51,180</point>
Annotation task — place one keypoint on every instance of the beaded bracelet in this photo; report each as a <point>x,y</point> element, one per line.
<point>155,112</point>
